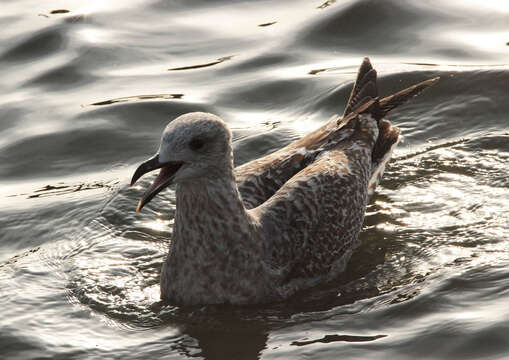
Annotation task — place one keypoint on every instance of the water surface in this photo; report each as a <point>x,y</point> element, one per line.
<point>86,93</point>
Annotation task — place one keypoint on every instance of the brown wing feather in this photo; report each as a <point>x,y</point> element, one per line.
<point>314,219</point>
<point>259,179</point>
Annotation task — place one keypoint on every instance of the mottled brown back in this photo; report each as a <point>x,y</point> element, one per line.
<point>259,179</point>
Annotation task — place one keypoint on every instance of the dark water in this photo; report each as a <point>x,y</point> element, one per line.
<point>79,268</point>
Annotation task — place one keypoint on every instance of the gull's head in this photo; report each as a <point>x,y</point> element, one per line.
<point>194,147</point>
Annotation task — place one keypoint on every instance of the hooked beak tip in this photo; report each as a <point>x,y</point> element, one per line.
<point>165,177</point>
<point>135,178</point>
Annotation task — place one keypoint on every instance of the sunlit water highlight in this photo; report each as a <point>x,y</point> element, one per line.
<point>85,95</point>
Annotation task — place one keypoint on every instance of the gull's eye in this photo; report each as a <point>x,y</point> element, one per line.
<point>196,143</point>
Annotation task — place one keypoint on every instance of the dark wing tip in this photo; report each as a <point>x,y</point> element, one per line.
<point>390,102</point>
<point>364,68</point>
<point>364,89</point>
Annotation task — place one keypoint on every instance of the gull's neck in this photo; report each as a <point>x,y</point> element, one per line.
<point>210,201</point>
<point>216,250</point>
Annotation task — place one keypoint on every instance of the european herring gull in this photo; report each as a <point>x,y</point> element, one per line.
<point>261,231</point>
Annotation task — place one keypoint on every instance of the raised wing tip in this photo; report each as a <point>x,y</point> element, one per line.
<point>364,68</point>
<point>416,89</point>
<point>390,102</point>
<point>364,88</point>
<point>430,82</point>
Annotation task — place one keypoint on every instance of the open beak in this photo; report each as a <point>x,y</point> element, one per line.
<point>165,177</point>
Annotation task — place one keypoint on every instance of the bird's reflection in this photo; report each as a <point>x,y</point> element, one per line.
<point>220,332</point>
<point>237,342</point>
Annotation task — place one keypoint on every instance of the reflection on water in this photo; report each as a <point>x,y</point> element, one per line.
<point>80,269</point>
<point>215,62</point>
<point>138,98</point>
